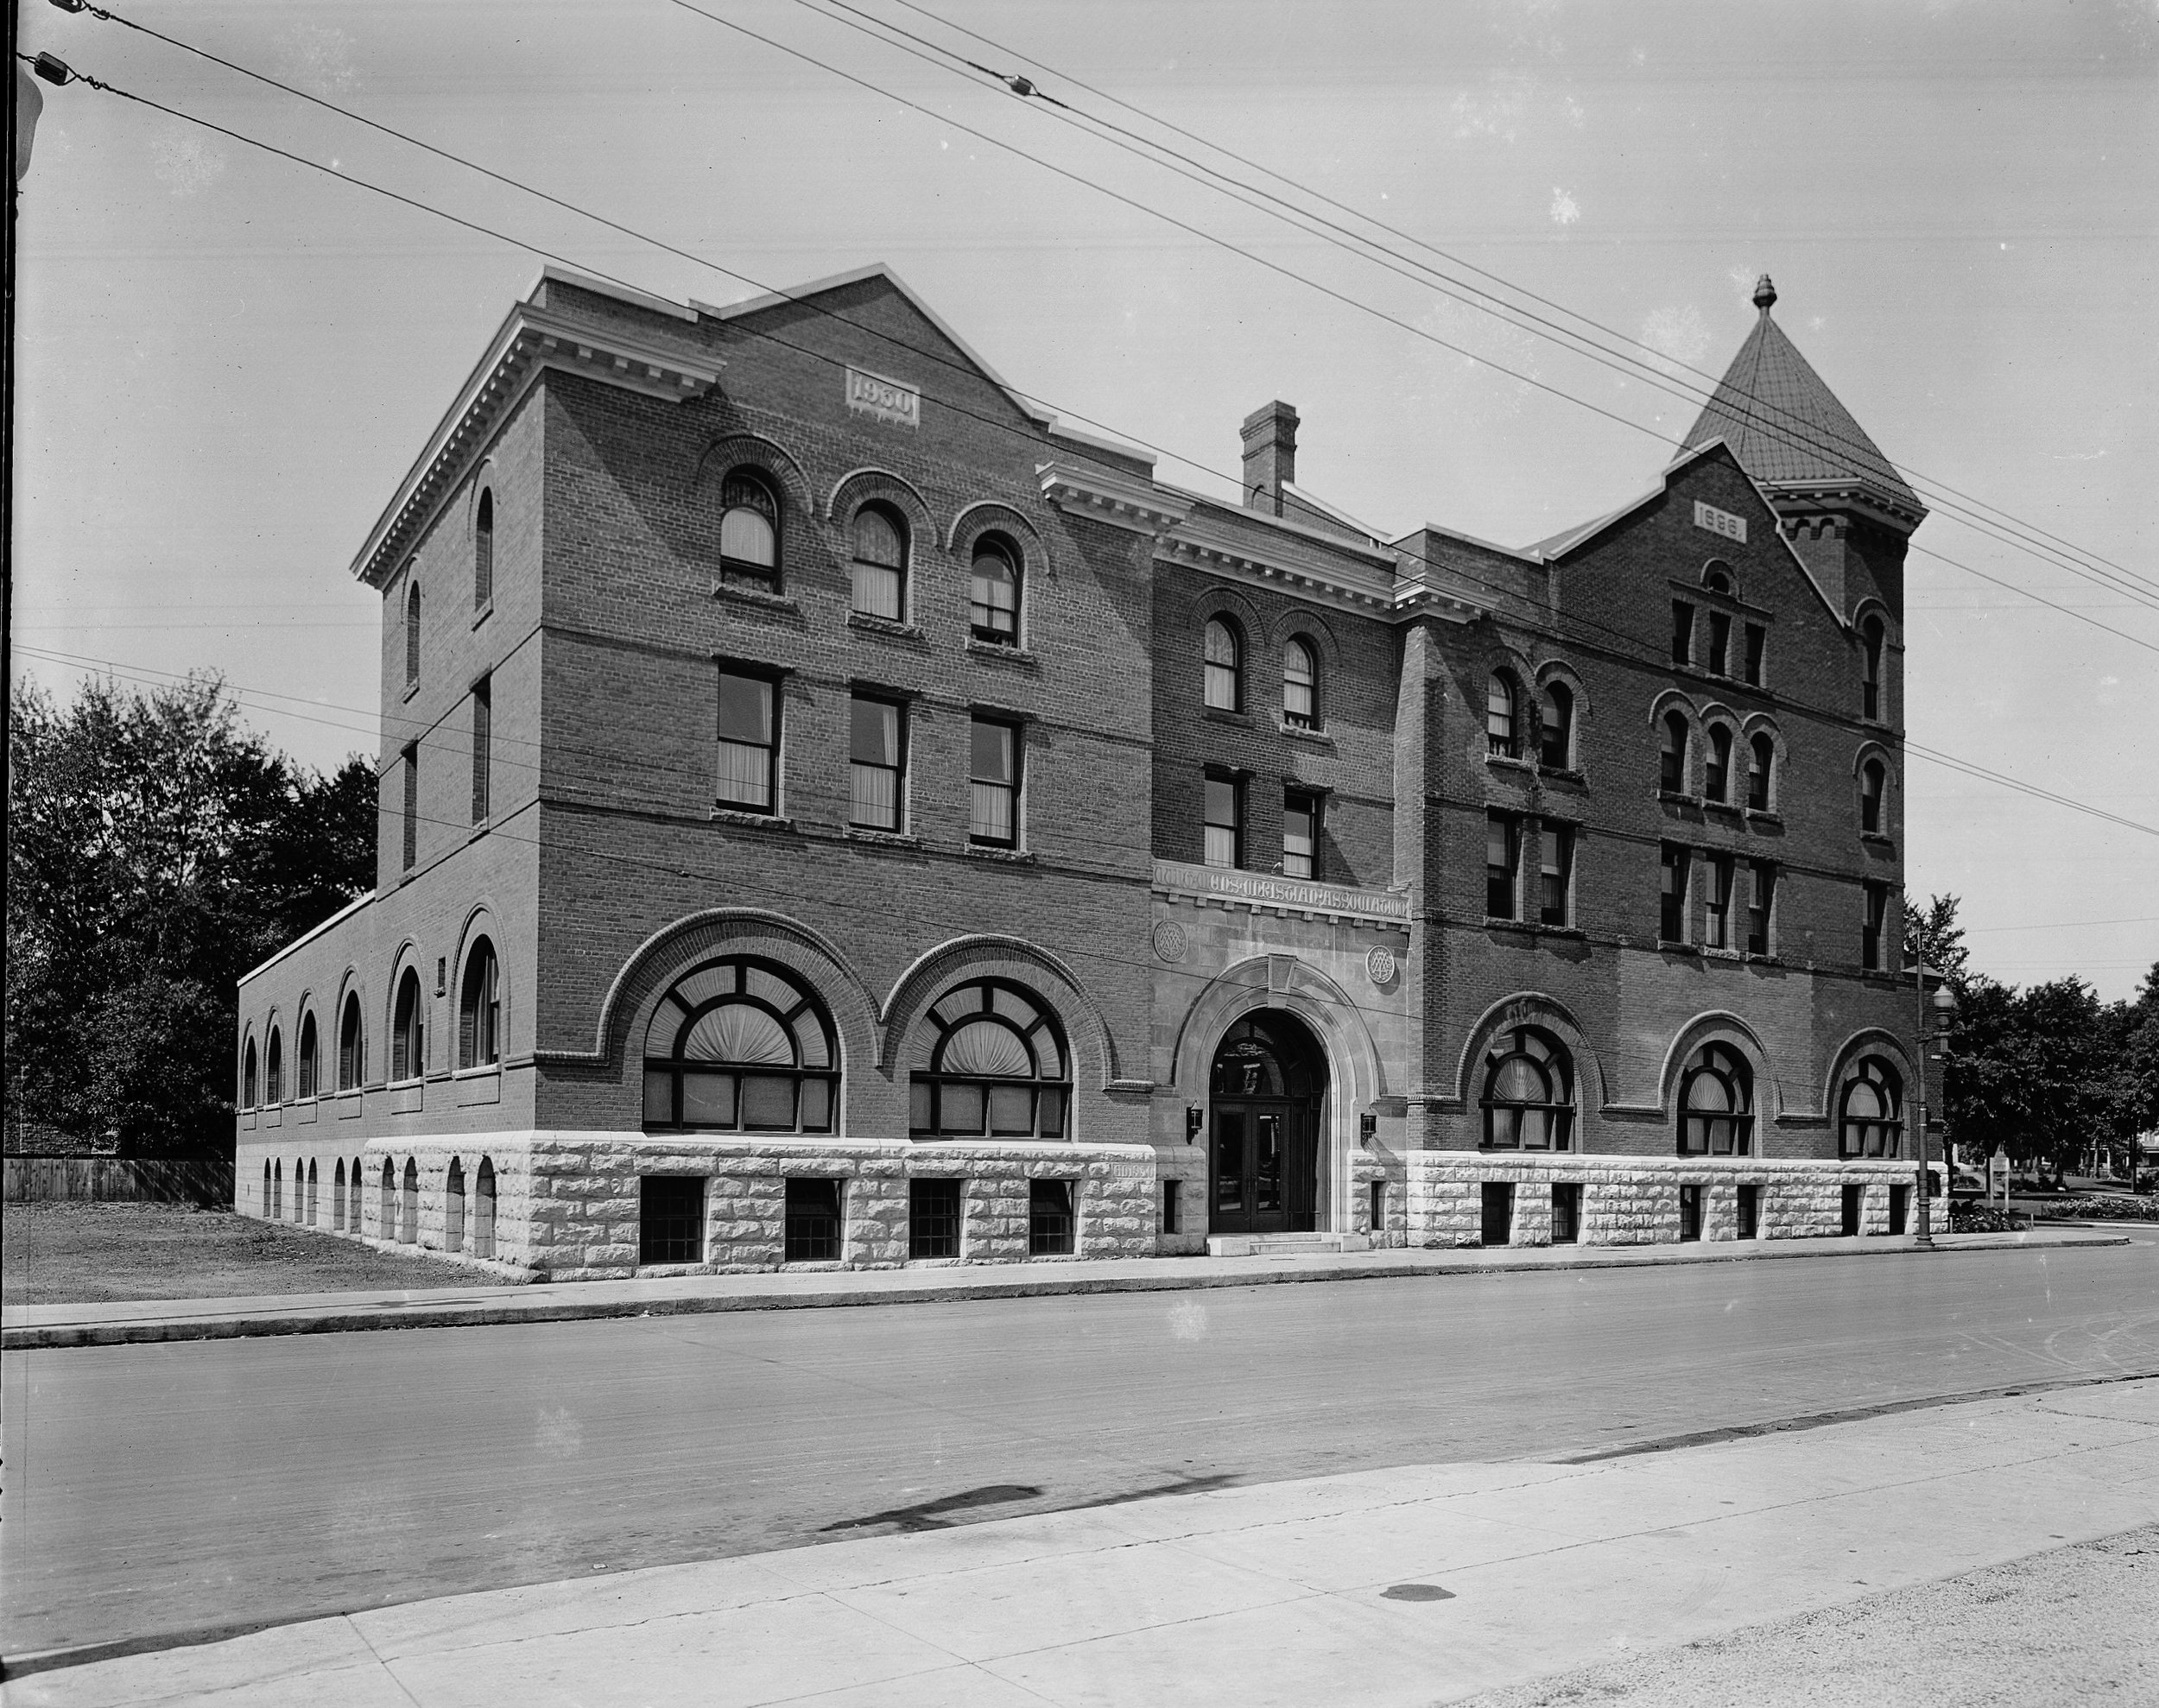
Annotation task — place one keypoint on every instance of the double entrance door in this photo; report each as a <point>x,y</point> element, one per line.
<point>1263,1175</point>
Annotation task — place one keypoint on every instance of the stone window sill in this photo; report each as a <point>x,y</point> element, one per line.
<point>1563,774</point>
<point>1501,762</point>
<point>1669,946</point>
<point>749,594</point>
<point>1020,657</point>
<point>1495,922</point>
<point>1306,732</point>
<point>1672,797</point>
<point>1215,714</point>
<point>483,613</point>
<point>763,821</point>
<point>1765,817</point>
<point>1722,809</point>
<point>1876,839</point>
<point>881,839</point>
<point>885,628</point>
<point>411,688</point>
<point>1011,857</point>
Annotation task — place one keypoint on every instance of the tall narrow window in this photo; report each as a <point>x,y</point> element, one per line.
<point>482,745</point>
<point>1872,777</point>
<point>993,784</point>
<point>878,750</point>
<point>1873,950</point>
<point>1225,825</point>
<point>1502,866</point>
<point>1717,769</point>
<point>483,552</point>
<point>1499,717</point>
<point>1300,686</point>
<point>1719,643</point>
<point>480,1009</point>
<point>1870,686</point>
<point>993,594</point>
<point>1556,878</point>
<point>749,742</point>
<point>1761,895</point>
<point>1224,666</point>
<point>1716,1103</point>
<point>307,1057</point>
<point>274,1068</point>
<point>1682,631</point>
<point>411,849</point>
<point>1717,903</point>
<point>408,1031</point>
<point>880,565</point>
<point>412,636</point>
<point>1671,771</point>
<point>1671,927</point>
<point>749,528</point>
<point>1763,748</point>
<point>1757,643</point>
<point>1555,728</point>
<point>351,1055</point>
<point>250,1095</point>
<point>1300,834</point>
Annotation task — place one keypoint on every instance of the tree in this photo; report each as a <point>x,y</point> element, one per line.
<point>157,850</point>
<point>1934,940</point>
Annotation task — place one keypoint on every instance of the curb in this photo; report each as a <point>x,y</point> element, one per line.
<point>498,1313</point>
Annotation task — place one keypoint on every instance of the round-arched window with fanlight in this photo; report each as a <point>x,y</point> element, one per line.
<point>1870,1118</point>
<point>1716,1103</point>
<point>989,1060</point>
<point>1529,1099</point>
<point>741,1045</point>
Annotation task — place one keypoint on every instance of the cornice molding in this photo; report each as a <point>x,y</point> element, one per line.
<point>532,339</point>
<point>1121,500</point>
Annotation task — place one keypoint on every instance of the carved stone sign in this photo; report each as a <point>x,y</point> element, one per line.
<point>1257,889</point>
<point>1720,521</point>
<point>885,400</point>
<point>1380,966</point>
<point>1169,941</point>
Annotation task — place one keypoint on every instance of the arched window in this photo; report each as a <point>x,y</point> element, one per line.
<point>484,1210</point>
<point>453,1208</point>
<point>1716,1103</point>
<point>993,592</point>
<point>386,1222</point>
<point>483,552</point>
<point>480,1008</point>
<point>336,1199</point>
<point>1717,772</point>
<point>1869,1119</point>
<point>409,1033</point>
<point>274,1068</point>
<point>308,1056</point>
<point>265,1205</point>
<point>1300,684</point>
<point>1872,777</point>
<point>1672,761</point>
<point>352,1202</point>
<point>988,1060</point>
<point>749,528</point>
<point>1555,727</point>
<point>1871,684</point>
<point>1499,717</point>
<point>277,1189</point>
<point>1764,748</point>
<point>351,1055</point>
<point>1223,652</point>
<point>1529,1099</point>
<point>880,562</point>
<point>1717,576</point>
<point>248,1077</point>
<point>314,1195</point>
<point>408,1217</point>
<point>741,1045</point>
<point>412,635</point>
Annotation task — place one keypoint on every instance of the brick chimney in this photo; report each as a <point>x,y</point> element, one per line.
<point>1270,456</point>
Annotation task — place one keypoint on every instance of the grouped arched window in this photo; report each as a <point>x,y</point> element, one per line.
<point>749,527</point>
<point>1716,1103</point>
<point>1873,780</point>
<point>306,1087</point>
<point>879,569</point>
<point>386,1220</point>
<point>409,1206</point>
<point>352,1052</point>
<point>1717,765</point>
<point>480,1008</point>
<point>1671,771</point>
<point>1223,655</point>
<point>1869,1122</point>
<point>274,1068</point>
<point>250,1090</point>
<point>484,551</point>
<point>1300,684</point>
<point>1500,715</point>
<point>989,1060</point>
<point>741,1045</point>
<point>314,1194</point>
<point>1555,727</point>
<point>484,1210</point>
<point>1761,771</point>
<point>408,1029</point>
<point>453,1208</point>
<point>1871,636</point>
<point>337,1198</point>
<point>412,635</point>
<point>1529,1096</point>
<point>993,591</point>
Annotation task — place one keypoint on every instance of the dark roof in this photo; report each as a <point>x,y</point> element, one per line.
<point>1787,427</point>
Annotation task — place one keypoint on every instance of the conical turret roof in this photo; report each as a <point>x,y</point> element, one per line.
<point>1787,427</point>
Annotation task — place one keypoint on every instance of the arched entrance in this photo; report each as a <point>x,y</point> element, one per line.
<point>1265,1089</point>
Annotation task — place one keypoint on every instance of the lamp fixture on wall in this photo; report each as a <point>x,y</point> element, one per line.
<point>1195,1118</point>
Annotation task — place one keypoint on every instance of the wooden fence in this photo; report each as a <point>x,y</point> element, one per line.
<point>147,1180</point>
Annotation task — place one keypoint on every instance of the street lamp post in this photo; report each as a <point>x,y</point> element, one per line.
<point>1933,1041</point>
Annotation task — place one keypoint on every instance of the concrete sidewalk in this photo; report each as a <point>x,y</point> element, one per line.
<point>1410,1585</point>
<point>38,1327</point>
<point>46,1327</point>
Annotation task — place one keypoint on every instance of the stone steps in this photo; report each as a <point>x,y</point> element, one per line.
<point>1282,1245</point>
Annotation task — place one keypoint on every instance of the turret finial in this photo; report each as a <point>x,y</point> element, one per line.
<point>1765,293</point>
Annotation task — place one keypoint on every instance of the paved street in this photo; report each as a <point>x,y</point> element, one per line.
<point>174,1488</point>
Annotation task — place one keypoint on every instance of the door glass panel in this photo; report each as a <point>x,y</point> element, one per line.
<point>1266,1162</point>
<point>1229,1160</point>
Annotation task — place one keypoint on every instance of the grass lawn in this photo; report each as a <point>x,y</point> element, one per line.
<point>75,1253</point>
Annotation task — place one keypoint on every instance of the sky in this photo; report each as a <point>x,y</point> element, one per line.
<point>227,360</point>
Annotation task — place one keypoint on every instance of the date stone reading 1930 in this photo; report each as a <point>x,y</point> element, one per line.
<point>885,400</point>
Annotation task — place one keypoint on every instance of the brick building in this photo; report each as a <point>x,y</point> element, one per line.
<point>832,813</point>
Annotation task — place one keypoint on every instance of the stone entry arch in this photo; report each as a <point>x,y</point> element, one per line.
<point>1267,1087</point>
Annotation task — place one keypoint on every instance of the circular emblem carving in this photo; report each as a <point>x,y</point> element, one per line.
<point>1169,941</point>
<point>1380,966</point>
